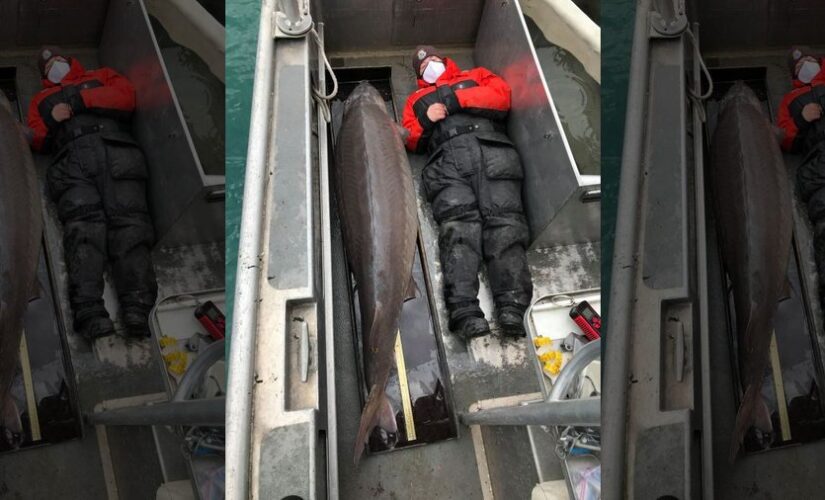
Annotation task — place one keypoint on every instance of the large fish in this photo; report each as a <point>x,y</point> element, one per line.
<point>753,207</point>
<point>21,226</point>
<point>377,206</point>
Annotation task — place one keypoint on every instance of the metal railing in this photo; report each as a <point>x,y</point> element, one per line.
<point>245,312</point>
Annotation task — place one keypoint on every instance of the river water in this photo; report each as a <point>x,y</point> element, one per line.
<point>242,17</point>
<point>577,98</point>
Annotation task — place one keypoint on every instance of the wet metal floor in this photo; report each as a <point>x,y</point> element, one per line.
<point>489,367</point>
<point>111,369</point>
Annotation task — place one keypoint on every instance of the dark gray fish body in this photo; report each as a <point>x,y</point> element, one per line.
<point>753,206</point>
<point>21,226</point>
<point>376,201</point>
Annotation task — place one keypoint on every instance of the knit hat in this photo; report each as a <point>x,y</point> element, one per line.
<point>45,54</point>
<point>796,53</point>
<point>422,52</point>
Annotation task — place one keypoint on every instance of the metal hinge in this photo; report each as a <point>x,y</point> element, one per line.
<point>292,18</point>
<point>667,18</point>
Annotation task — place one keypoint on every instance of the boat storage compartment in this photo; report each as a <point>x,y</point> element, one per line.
<point>44,387</point>
<point>420,392</point>
<point>792,387</point>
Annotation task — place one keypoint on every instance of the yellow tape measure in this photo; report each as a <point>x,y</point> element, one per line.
<point>779,389</point>
<point>28,385</point>
<point>409,424</point>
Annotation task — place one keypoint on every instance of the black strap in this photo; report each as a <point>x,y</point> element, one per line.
<point>466,129</point>
<point>447,96</point>
<point>71,133</point>
<point>444,134</point>
<point>465,84</point>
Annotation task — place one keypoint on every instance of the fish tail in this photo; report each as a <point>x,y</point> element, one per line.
<point>412,289</point>
<point>377,411</point>
<point>752,411</point>
<point>10,425</point>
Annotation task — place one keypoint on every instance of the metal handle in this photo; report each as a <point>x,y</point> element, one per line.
<point>586,355</point>
<point>213,353</point>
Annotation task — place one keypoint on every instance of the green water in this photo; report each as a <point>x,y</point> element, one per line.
<point>201,98</point>
<point>242,18</point>
<point>617,18</point>
<point>577,99</point>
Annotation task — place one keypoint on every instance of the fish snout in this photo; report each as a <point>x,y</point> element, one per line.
<point>741,93</point>
<point>4,102</point>
<point>364,94</point>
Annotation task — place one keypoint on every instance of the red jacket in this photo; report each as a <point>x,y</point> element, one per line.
<point>789,116</point>
<point>476,91</point>
<point>102,91</point>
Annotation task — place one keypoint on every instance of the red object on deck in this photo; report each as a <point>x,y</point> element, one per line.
<point>212,319</point>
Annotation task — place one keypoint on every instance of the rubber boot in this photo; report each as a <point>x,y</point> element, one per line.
<point>136,322</point>
<point>511,322</point>
<point>472,327</point>
<point>96,327</point>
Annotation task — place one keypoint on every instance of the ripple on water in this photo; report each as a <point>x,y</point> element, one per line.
<point>241,43</point>
<point>577,98</point>
<point>201,98</point>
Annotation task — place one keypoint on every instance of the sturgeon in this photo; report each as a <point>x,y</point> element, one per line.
<point>377,206</point>
<point>21,226</point>
<point>753,208</point>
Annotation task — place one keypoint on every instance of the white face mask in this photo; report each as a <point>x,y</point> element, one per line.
<point>808,71</point>
<point>433,70</point>
<point>58,71</point>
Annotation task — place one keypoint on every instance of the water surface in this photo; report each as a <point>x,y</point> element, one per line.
<point>577,98</point>
<point>241,43</point>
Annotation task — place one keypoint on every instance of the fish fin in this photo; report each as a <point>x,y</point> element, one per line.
<point>412,290</point>
<point>752,411</point>
<point>762,415</point>
<point>386,415</point>
<point>786,290</point>
<point>403,132</point>
<point>10,422</point>
<point>377,412</point>
<point>5,104</point>
<point>778,133</point>
<point>36,291</point>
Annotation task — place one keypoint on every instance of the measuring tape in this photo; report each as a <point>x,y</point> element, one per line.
<point>409,424</point>
<point>28,384</point>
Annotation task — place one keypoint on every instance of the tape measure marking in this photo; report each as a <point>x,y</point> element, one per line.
<point>409,423</point>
